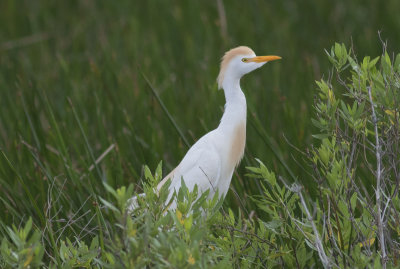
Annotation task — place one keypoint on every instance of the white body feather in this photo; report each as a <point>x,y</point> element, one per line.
<point>211,161</point>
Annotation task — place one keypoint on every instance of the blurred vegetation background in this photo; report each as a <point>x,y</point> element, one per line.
<point>69,63</point>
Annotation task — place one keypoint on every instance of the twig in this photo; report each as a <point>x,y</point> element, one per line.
<point>164,108</point>
<point>24,41</point>
<point>102,156</point>
<point>222,20</point>
<point>378,190</point>
<point>262,240</point>
<point>99,159</point>
<point>318,243</point>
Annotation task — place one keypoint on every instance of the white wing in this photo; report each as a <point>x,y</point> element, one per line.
<point>201,166</point>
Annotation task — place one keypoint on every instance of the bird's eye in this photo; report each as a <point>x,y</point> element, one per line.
<point>244,60</point>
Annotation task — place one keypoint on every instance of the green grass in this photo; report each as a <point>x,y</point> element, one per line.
<point>77,77</point>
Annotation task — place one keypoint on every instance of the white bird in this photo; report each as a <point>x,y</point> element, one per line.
<point>211,161</point>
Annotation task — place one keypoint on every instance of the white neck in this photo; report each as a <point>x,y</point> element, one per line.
<point>235,107</point>
<point>233,130</point>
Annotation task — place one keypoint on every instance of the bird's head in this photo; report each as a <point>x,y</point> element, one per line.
<point>239,61</point>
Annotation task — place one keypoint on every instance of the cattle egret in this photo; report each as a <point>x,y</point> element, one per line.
<point>211,161</point>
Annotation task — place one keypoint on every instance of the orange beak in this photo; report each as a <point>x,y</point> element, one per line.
<point>262,59</point>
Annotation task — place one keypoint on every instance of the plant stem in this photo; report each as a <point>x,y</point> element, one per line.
<point>318,242</point>
<point>378,190</point>
<point>171,119</point>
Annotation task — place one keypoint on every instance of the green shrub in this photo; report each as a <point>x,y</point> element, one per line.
<point>22,248</point>
<point>348,217</point>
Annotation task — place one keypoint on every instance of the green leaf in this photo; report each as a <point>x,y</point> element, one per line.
<point>110,189</point>
<point>188,223</point>
<point>354,65</point>
<point>338,50</point>
<point>373,62</point>
<point>397,63</point>
<point>27,228</point>
<point>320,136</point>
<point>95,243</point>
<point>14,237</point>
<point>147,173</point>
<point>353,200</point>
<point>64,253</point>
<point>158,174</point>
<point>109,205</point>
<point>273,224</point>
<point>386,64</point>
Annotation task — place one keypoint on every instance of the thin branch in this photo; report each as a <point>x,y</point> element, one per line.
<point>24,41</point>
<point>222,21</point>
<point>378,190</point>
<point>318,243</point>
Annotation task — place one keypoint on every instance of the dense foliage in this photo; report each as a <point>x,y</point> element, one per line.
<point>92,91</point>
<point>351,221</point>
